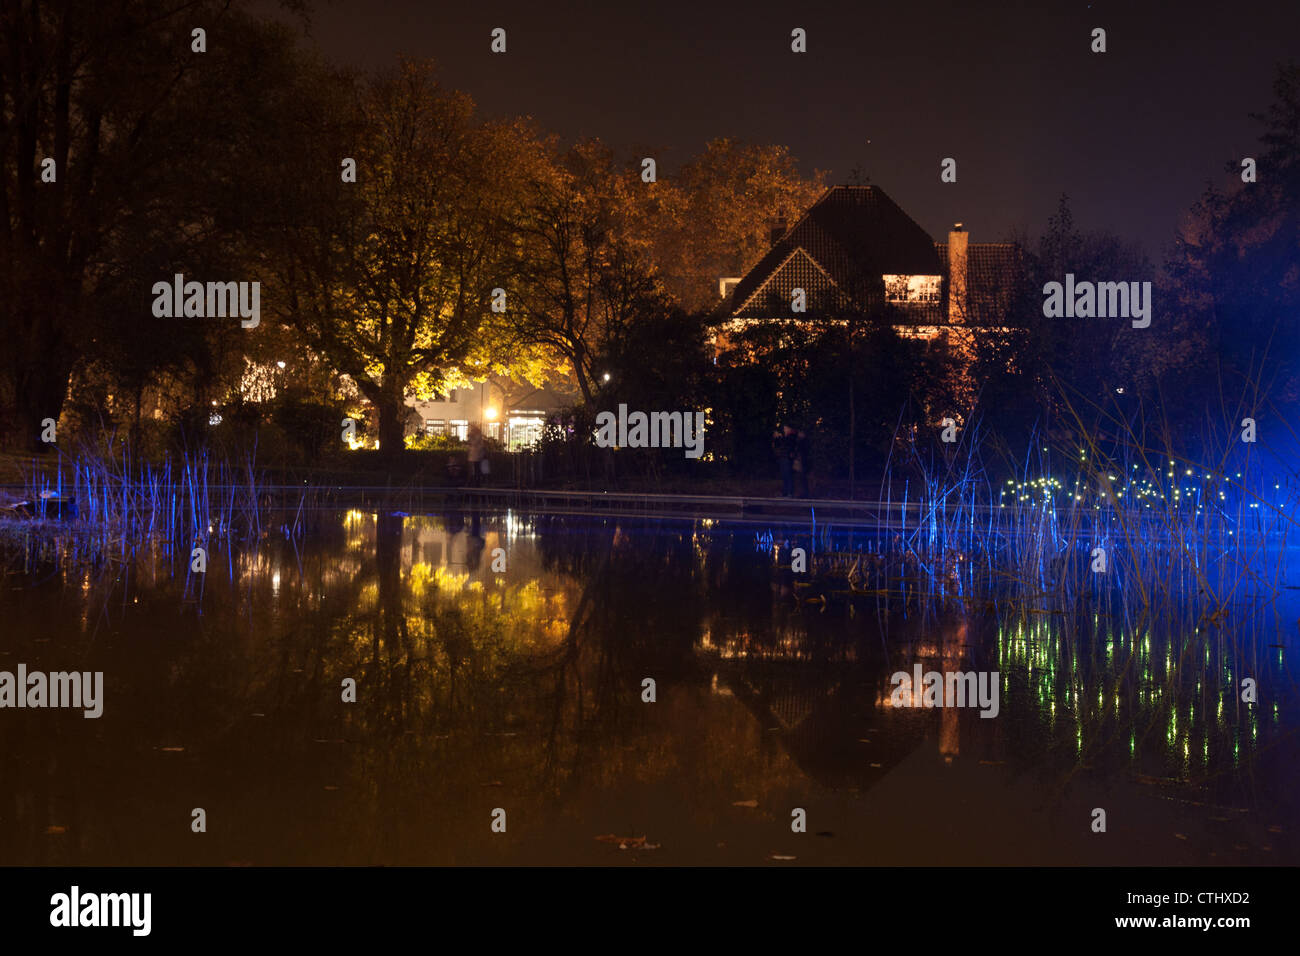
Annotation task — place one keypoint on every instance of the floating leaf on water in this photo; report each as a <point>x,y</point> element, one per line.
<point>625,843</point>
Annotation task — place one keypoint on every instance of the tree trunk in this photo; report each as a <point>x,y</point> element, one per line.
<point>135,418</point>
<point>39,395</point>
<point>583,385</point>
<point>392,430</point>
<point>853,423</point>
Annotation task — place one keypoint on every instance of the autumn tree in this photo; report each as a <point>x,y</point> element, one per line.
<point>716,213</point>
<point>391,276</point>
<point>580,271</point>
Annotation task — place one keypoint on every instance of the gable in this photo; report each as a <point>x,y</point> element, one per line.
<point>799,271</point>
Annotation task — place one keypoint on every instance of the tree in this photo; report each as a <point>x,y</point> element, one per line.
<point>391,277</point>
<point>142,132</point>
<point>1234,268</point>
<point>1021,372</point>
<point>716,214</point>
<point>581,274</point>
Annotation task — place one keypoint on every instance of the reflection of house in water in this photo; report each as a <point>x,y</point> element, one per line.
<point>833,714</point>
<point>819,710</point>
<point>461,544</point>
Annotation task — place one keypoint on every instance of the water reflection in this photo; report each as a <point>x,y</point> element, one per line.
<point>499,661</point>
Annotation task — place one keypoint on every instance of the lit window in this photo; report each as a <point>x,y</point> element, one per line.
<point>912,288</point>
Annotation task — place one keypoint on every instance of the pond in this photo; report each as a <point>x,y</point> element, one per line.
<point>536,689</point>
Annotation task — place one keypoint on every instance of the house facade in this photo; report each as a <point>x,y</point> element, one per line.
<point>855,250</point>
<point>507,411</point>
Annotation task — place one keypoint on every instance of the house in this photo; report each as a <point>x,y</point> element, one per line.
<point>854,250</point>
<point>507,411</point>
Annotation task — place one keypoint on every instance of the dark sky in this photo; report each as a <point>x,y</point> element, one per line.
<point>1010,90</point>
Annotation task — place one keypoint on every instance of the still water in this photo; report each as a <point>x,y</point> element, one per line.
<point>510,686</point>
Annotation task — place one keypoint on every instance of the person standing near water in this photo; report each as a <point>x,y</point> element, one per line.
<point>477,454</point>
<point>803,464</point>
<point>783,447</point>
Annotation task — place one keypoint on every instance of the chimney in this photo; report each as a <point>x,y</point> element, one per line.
<point>957,298</point>
<point>778,229</point>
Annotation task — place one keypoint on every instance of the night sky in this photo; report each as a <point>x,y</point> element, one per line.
<point>1010,90</point>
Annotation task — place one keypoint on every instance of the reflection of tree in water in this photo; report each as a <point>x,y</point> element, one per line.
<point>637,616</point>
<point>665,602</point>
<point>477,690</point>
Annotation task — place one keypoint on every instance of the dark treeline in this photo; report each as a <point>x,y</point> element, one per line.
<point>405,244</point>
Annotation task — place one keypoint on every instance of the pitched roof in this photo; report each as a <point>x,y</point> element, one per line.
<point>992,269</point>
<point>851,237</point>
<point>852,234</point>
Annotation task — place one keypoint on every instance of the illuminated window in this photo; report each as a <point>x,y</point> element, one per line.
<point>435,426</point>
<point>912,288</point>
<point>524,430</point>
